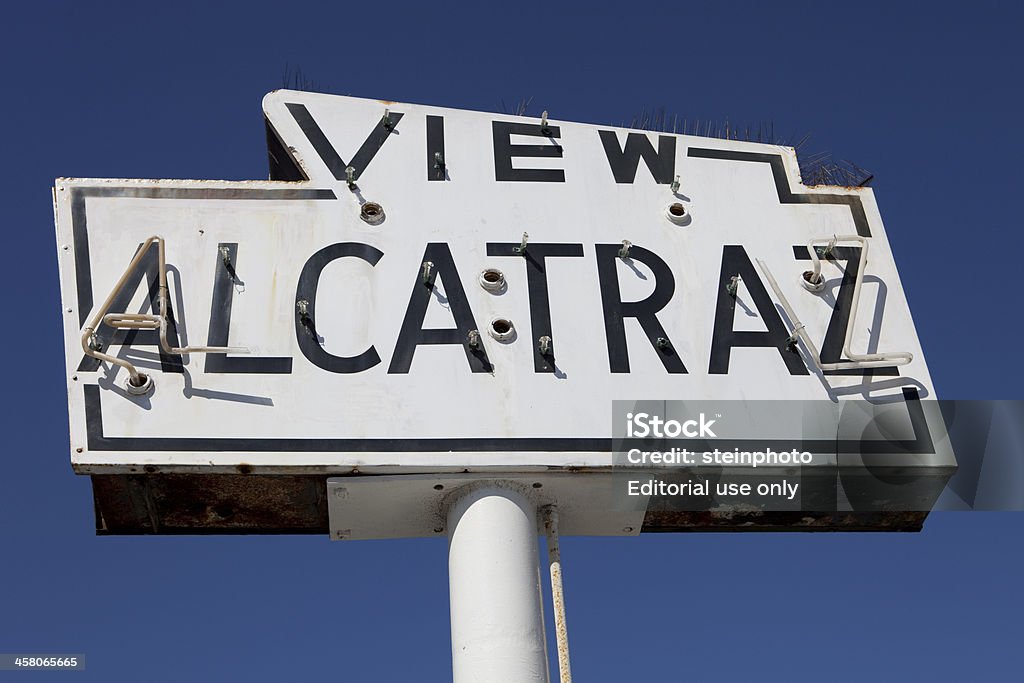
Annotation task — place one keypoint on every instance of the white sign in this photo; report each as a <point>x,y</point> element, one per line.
<point>453,290</point>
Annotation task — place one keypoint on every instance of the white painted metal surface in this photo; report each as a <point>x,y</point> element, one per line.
<point>416,505</point>
<point>236,253</point>
<point>495,592</point>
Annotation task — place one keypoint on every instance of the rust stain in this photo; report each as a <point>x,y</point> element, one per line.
<point>826,186</point>
<point>674,521</point>
<point>209,503</point>
<point>297,504</point>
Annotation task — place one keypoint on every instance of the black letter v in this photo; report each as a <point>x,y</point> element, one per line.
<point>327,152</point>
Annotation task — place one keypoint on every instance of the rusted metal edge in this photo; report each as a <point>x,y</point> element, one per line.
<point>175,504</point>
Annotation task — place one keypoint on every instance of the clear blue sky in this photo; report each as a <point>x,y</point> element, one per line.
<point>928,97</point>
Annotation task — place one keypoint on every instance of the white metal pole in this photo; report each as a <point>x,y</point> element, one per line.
<point>497,613</point>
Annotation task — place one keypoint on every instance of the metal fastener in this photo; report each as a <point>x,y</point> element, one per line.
<point>521,249</point>
<point>502,329</point>
<point>492,279</point>
<point>372,213</point>
<point>733,286</point>
<point>140,388</point>
<point>830,248</point>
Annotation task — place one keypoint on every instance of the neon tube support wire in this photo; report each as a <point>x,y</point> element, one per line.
<point>141,321</point>
<point>557,592</point>
<point>856,360</point>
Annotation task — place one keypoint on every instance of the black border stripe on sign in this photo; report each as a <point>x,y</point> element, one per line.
<point>98,441</point>
<point>787,196</point>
